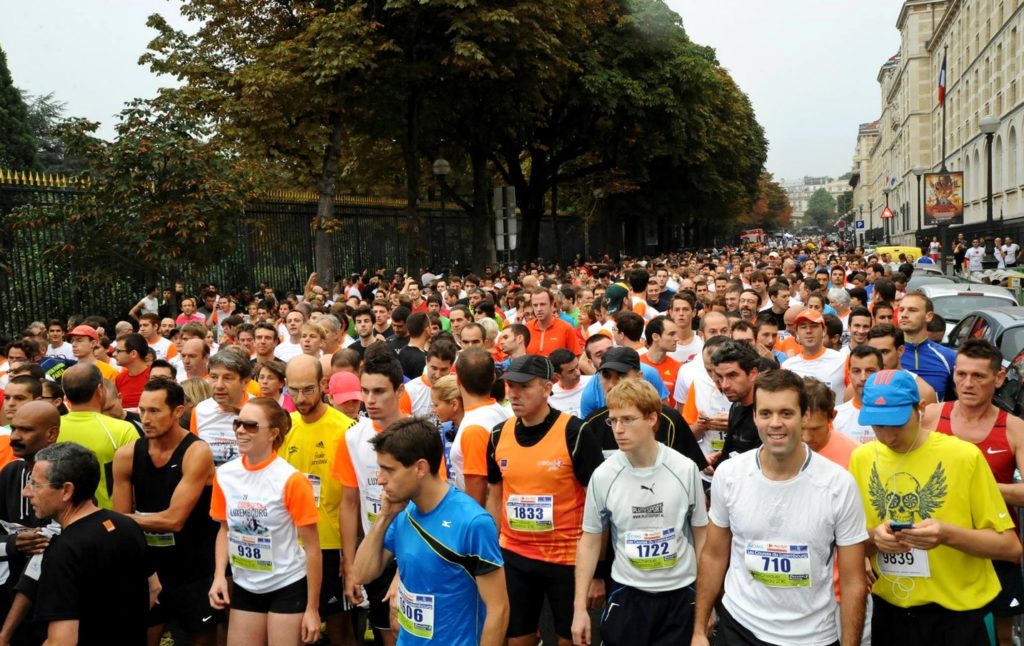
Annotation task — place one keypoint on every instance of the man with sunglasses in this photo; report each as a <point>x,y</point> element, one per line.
<point>312,446</point>
<point>229,374</point>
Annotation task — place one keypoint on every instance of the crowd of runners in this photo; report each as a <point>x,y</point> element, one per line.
<point>750,446</point>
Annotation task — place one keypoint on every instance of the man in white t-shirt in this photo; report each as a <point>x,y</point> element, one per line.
<point>864,361</point>
<point>162,348</point>
<point>56,345</point>
<point>652,500</point>
<point>568,383</point>
<point>474,373</point>
<point>290,346</point>
<point>974,256</point>
<point>1011,251</point>
<point>781,518</point>
<point>825,365</point>
<point>688,344</point>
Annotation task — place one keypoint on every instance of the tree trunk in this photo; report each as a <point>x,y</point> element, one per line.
<point>482,217</point>
<point>327,187</point>
<point>416,254</point>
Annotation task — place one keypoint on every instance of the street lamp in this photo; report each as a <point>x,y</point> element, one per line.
<point>918,171</point>
<point>441,170</point>
<point>885,221</point>
<point>988,126</point>
<point>871,217</point>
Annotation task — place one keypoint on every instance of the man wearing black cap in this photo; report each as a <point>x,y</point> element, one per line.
<point>538,465</point>
<point>624,363</point>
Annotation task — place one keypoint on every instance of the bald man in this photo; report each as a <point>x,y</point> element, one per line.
<point>194,356</point>
<point>714,324</point>
<point>787,338</point>
<point>35,426</point>
<point>312,445</point>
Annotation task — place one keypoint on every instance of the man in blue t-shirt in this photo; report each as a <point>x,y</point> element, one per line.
<point>922,356</point>
<point>451,578</point>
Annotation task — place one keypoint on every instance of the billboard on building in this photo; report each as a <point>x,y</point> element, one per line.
<point>943,198</point>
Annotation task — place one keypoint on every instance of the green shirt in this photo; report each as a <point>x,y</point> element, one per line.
<point>103,436</point>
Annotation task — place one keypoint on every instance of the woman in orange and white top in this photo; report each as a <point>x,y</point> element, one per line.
<point>265,506</point>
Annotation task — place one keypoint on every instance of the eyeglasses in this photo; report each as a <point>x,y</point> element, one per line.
<point>308,391</point>
<point>625,421</point>
<point>32,485</point>
<point>249,425</point>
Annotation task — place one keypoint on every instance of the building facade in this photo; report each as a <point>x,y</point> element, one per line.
<point>800,191</point>
<point>981,42</point>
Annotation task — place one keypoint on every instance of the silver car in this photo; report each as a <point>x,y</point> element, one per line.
<point>954,302</point>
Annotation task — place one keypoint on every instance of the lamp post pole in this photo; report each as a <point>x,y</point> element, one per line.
<point>989,125</point>
<point>871,217</point>
<point>918,172</point>
<point>885,221</point>
<point>441,170</point>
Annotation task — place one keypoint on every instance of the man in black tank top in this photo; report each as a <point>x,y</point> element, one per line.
<point>163,482</point>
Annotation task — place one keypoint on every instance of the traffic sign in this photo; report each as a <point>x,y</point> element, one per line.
<point>887,213</point>
<point>841,224</point>
<point>859,224</point>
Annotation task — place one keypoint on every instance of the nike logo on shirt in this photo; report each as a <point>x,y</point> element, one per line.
<point>992,452</point>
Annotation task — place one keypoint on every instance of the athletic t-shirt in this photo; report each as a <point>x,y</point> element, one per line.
<point>97,566</point>
<point>685,353</point>
<point>838,449</point>
<point>784,533</point>
<point>286,350</point>
<point>63,351</point>
<point>130,387</point>
<point>103,436</point>
<point>847,422</point>
<point>593,393</point>
<point>213,425</point>
<point>667,369</point>
<point>469,448</point>
<point>558,334</point>
<point>418,390</point>
<point>650,513</point>
<point>568,401</point>
<point>828,367</point>
<point>439,556</point>
<point>313,450</point>
<point>356,468</point>
<point>944,478</point>
<point>263,505</point>
<point>163,348</point>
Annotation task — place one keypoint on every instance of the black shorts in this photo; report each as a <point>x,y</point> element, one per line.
<point>188,605</point>
<point>633,616</point>
<point>332,586</point>
<point>1010,600</point>
<point>289,600</point>
<point>928,624</point>
<point>380,611</point>
<point>528,582</point>
<point>732,633</point>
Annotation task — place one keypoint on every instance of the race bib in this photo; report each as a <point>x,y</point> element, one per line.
<point>157,539</point>
<point>779,565</point>
<point>910,564</point>
<point>531,513</point>
<point>373,503</point>
<point>250,544</point>
<point>416,613</point>
<point>652,549</point>
<point>223,449</point>
<point>315,481</point>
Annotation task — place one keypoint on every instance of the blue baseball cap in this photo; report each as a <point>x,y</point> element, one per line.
<point>889,398</point>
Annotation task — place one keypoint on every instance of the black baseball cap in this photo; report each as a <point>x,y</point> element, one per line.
<point>528,367</point>
<point>621,359</point>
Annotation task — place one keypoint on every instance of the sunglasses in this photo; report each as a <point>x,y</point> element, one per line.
<point>249,425</point>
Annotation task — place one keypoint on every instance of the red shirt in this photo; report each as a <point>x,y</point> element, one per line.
<point>557,335</point>
<point>131,387</point>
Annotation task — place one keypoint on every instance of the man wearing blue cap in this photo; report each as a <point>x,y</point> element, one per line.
<point>935,518</point>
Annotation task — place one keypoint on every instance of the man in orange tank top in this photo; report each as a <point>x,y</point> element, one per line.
<point>538,468</point>
<point>978,373</point>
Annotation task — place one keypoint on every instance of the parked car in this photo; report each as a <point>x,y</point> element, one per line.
<point>1010,397</point>
<point>1001,326</point>
<point>919,279</point>
<point>955,302</point>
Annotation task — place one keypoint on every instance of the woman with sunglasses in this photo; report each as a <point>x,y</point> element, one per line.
<point>265,506</point>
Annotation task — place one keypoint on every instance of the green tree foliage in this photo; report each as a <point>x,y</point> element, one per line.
<point>771,210</point>
<point>17,146</point>
<point>162,194</point>
<point>844,202</point>
<point>821,210</point>
<point>45,115</point>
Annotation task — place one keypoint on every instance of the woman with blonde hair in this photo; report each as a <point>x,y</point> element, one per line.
<point>449,410</point>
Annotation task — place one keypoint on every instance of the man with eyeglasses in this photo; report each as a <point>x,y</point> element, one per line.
<point>35,426</point>
<point>131,354</point>
<point>211,420</point>
<point>312,446</point>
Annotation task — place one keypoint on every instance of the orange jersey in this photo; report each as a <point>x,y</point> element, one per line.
<point>668,370</point>
<point>542,502</point>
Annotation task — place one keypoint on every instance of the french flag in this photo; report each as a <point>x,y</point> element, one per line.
<point>942,82</point>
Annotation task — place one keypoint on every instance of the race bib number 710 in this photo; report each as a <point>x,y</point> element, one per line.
<point>779,565</point>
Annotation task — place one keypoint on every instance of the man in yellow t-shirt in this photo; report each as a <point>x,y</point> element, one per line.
<point>86,425</point>
<point>935,518</point>
<point>311,446</point>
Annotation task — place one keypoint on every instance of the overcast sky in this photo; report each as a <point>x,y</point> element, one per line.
<point>809,66</point>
